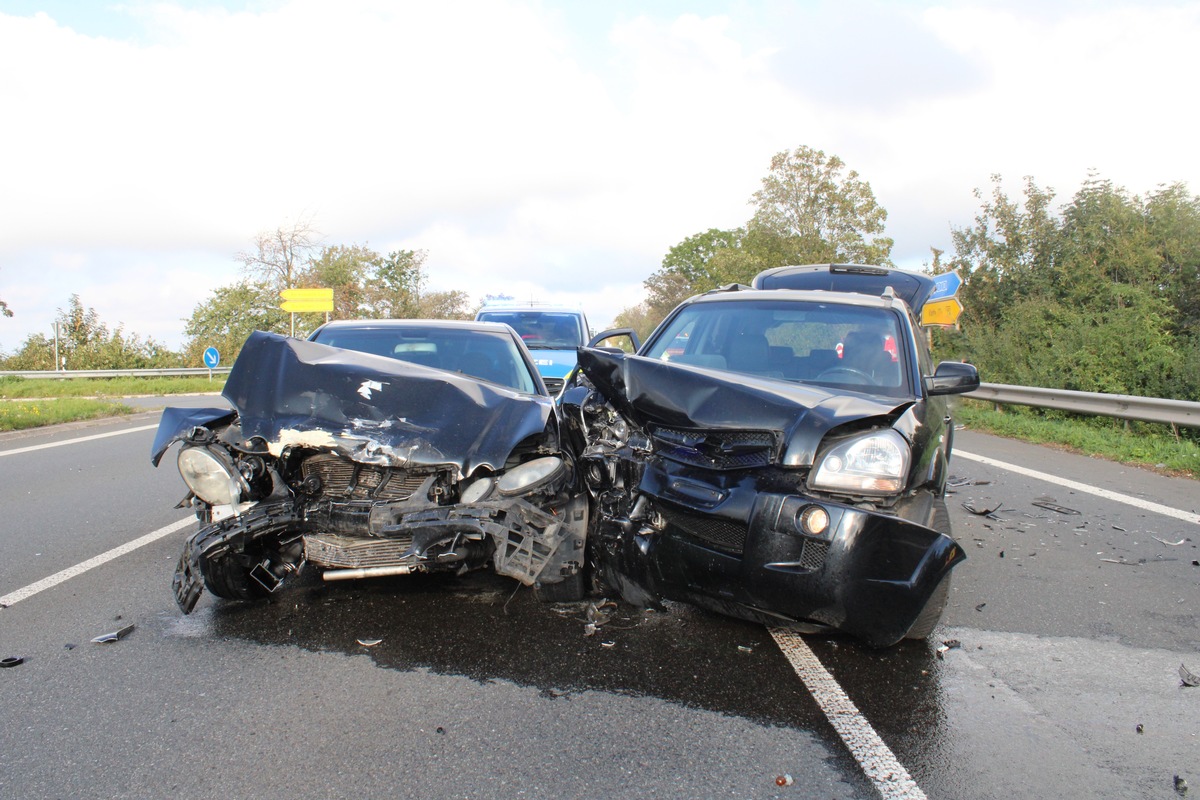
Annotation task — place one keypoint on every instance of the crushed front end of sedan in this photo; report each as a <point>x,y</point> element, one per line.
<point>365,465</point>
<point>778,456</point>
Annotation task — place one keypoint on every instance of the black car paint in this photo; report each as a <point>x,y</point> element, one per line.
<point>668,524</point>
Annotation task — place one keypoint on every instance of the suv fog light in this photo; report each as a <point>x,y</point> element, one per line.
<point>530,475</point>
<point>813,520</point>
<point>211,477</point>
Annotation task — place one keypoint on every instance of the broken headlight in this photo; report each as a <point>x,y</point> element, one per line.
<point>530,475</point>
<point>874,464</point>
<point>211,476</point>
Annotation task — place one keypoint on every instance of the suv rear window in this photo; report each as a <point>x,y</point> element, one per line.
<point>827,344</point>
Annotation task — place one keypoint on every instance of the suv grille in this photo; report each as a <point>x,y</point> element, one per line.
<point>721,534</point>
<point>718,449</point>
<point>341,477</point>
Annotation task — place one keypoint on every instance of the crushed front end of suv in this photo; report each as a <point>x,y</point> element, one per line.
<point>776,455</point>
<point>393,448</point>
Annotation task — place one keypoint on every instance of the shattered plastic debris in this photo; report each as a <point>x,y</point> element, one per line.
<point>1181,786</point>
<point>744,649</point>
<point>1169,544</point>
<point>946,646</point>
<point>608,644</point>
<point>1050,505</point>
<point>1188,677</point>
<point>784,780</point>
<point>597,614</point>
<point>120,633</point>
<point>982,510</point>
<point>1140,728</point>
<point>369,642</point>
<point>589,629</point>
<point>11,661</point>
<point>980,606</point>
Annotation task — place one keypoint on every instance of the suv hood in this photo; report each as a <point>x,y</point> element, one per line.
<point>377,410</point>
<point>651,393</point>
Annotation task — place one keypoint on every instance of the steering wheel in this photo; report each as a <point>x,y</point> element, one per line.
<point>858,373</point>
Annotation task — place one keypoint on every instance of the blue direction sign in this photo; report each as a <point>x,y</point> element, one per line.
<point>945,285</point>
<point>211,358</point>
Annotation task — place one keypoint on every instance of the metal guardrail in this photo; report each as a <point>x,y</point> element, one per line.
<point>179,372</point>
<point>1121,406</point>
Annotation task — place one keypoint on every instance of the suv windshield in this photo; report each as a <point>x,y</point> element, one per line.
<point>829,344</point>
<point>540,330</point>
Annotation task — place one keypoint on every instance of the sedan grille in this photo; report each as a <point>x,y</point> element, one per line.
<point>347,552</point>
<point>341,477</point>
<point>553,385</point>
<point>719,449</point>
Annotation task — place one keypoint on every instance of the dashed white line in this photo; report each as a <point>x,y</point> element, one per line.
<point>1137,502</point>
<point>13,598</point>
<point>878,762</point>
<point>66,442</point>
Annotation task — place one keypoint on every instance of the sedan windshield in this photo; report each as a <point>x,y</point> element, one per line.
<point>829,344</point>
<point>485,355</point>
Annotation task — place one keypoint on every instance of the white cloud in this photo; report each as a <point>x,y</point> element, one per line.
<point>530,150</point>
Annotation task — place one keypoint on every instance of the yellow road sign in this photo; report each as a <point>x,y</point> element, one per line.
<point>307,294</point>
<point>941,312</point>
<point>299,300</point>
<point>297,306</point>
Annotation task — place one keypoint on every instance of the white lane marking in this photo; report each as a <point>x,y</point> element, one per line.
<point>1157,508</point>
<point>878,762</point>
<point>13,598</point>
<point>77,440</point>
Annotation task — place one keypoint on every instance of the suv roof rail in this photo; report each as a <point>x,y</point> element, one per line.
<point>729,287</point>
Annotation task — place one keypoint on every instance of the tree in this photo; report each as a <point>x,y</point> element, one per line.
<point>229,316</point>
<point>398,290</point>
<point>85,342</point>
<point>5,311</point>
<point>351,271</point>
<point>817,212</point>
<point>279,255</point>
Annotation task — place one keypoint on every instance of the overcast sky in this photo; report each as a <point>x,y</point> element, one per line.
<point>547,150</point>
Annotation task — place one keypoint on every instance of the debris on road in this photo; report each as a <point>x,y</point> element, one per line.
<point>11,661</point>
<point>949,644</point>
<point>369,642</point>
<point>1181,786</point>
<point>784,780</point>
<point>1049,504</point>
<point>589,629</point>
<point>608,644</point>
<point>744,649</point>
<point>120,633</point>
<point>980,606</point>
<point>982,510</point>
<point>1140,728</point>
<point>1188,677</point>
<point>1169,544</point>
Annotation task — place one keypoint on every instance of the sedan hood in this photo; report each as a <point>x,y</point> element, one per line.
<point>377,410</point>
<point>659,393</point>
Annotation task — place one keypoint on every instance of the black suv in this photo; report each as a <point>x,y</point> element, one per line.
<point>778,453</point>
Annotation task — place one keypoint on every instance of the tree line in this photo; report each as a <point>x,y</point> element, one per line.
<point>1100,293</point>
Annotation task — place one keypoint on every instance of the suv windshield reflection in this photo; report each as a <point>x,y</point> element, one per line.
<point>810,342</point>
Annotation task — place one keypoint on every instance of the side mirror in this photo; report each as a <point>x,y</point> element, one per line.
<point>631,343</point>
<point>952,377</point>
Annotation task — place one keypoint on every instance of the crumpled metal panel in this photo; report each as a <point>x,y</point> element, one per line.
<point>377,410</point>
<point>654,392</point>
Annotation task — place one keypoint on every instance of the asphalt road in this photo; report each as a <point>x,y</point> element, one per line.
<point>1072,628</point>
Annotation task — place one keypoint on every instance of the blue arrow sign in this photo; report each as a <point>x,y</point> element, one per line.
<point>211,358</point>
<point>945,285</point>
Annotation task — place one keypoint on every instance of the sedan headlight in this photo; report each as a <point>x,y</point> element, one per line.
<point>530,475</point>
<point>874,464</point>
<point>211,476</point>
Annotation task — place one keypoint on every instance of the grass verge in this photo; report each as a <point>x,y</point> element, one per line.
<point>12,388</point>
<point>22,414</point>
<point>1145,444</point>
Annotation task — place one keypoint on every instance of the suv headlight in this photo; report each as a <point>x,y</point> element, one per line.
<point>211,476</point>
<point>874,464</point>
